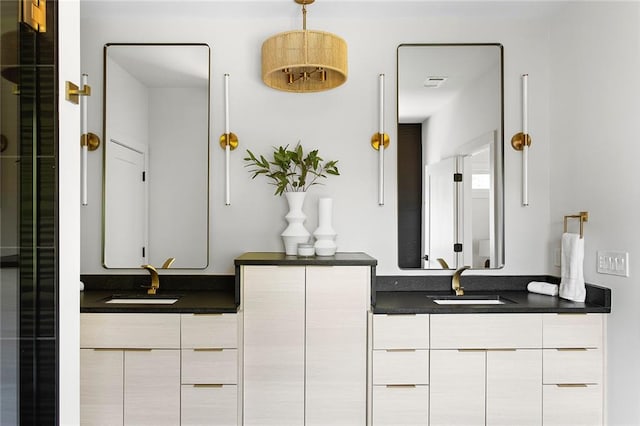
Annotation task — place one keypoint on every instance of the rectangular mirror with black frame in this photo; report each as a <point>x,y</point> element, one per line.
<point>156,158</point>
<point>450,156</point>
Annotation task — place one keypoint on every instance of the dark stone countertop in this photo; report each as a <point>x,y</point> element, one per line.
<point>202,294</point>
<point>190,301</point>
<point>279,258</point>
<point>413,295</point>
<point>417,302</point>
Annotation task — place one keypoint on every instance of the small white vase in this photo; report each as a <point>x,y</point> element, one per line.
<point>325,244</point>
<point>295,233</point>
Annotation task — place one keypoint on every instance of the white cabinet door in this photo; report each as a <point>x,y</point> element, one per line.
<point>273,304</point>
<point>401,331</point>
<point>152,387</point>
<point>101,387</point>
<point>400,405</point>
<point>514,383</point>
<point>336,345</point>
<point>457,388</point>
<point>572,405</point>
<point>209,405</point>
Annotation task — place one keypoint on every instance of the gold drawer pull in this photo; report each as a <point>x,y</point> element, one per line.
<point>572,385</point>
<point>502,350</point>
<point>207,386</point>
<point>571,349</point>
<point>208,349</point>
<point>401,386</point>
<point>400,350</point>
<point>472,350</point>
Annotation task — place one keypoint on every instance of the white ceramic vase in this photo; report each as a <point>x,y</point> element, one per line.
<point>325,244</point>
<point>295,233</point>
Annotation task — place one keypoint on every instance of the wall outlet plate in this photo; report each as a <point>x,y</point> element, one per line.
<point>613,263</point>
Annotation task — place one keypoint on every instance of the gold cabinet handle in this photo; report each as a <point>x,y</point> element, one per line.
<point>401,386</point>
<point>572,385</point>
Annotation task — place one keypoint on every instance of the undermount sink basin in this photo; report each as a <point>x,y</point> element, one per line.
<point>143,300</point>
<point>470,300</point>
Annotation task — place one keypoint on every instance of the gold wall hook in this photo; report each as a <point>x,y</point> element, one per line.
<point>91,140</point>
<point>233,144</point>
<point>72,92</point>
<point>518,141</point>
<point>375,141</point>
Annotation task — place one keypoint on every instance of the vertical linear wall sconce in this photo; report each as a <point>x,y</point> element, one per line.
<point>88,141</point>
<point>228,141</point>
<point>521,141</point>
<point>380,141</point>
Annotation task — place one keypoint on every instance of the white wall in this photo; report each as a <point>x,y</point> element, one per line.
<point>339,122</point>
<point>594,151</point>
<point>69,244</point>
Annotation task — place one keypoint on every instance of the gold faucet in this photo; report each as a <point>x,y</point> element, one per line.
<point>455,281</point>
<point>155,278</point>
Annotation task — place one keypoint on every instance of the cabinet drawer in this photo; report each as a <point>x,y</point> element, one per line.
<point>486,331</point>
<point>218,366</point>
<point>572,366</point>
<point>571,405</point>
<point>209,331</point>
<point>130,331</point>
<point>400,367</point>
<point>400,405</point>
<point>203,405</point>
<point>572,331</point>
<point>401,331</point>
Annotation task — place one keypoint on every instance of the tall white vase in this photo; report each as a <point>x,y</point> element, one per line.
<point>295,233</point>
<point>325,244</point>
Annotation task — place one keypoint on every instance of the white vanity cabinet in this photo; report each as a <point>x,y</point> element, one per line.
<point>129,369</point>
<point>573,369</point>
<point>304,344</point>
<point>486,369</point>
<point>209,380</point>
<point>158,369</point>
<point>400,370</point>
<point>489,369</point>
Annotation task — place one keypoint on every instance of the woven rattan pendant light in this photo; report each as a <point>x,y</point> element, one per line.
<point>304,60</point>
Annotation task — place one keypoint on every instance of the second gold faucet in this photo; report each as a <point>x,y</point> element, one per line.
<point>455,281</point>
<point>155,278</point>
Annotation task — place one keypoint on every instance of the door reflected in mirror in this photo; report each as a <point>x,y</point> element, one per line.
<point>156,158</point>
<point>450,156</point>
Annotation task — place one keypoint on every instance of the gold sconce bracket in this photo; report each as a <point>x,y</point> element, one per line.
<point>518,141</point>
<point>73,92</point>
<point>90,140</point>
<point>34,14</point>
<point>233,144</point>
<point>375,141</point>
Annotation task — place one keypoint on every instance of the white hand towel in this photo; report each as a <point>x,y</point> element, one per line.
<point>543,288</point>
<point>572,277</point>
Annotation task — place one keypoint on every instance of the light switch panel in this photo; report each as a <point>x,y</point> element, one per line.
<point>613,263</point>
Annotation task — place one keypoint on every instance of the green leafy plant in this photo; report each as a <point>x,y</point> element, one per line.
<point>290,170</point>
